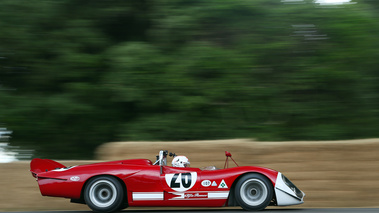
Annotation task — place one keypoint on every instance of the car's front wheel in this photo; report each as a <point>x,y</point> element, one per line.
<point>104,194</point>
<point>253,192</point>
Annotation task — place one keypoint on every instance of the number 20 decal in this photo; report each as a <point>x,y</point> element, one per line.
<point>181,182</point>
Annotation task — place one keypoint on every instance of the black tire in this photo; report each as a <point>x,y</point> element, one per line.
<point>104,194</point>
<point>253,192</point>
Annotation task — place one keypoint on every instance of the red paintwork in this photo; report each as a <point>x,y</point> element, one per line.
<point>140,176</point>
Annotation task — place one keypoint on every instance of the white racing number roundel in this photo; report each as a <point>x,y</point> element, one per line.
<point>181,182</point>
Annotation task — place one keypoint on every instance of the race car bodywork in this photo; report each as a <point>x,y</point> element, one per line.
<point>112,186</point>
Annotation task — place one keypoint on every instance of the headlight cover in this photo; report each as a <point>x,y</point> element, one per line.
<point>292,186</point>
<point>286,192</point>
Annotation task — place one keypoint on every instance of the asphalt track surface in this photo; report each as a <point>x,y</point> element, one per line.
<point>286,210</point>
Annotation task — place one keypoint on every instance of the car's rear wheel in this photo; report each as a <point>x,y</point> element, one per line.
<point>253,192</point>
<point>104,194</point>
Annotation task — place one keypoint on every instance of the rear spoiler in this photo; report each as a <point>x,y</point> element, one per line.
<point>38,165</point>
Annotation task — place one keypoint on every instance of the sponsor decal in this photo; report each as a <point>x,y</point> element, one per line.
<point>223,185</point>
<point>214,183</point>
<point>74,178</point>
<point>195,195</point>
<point>181,182</point>
<point>206,183</point>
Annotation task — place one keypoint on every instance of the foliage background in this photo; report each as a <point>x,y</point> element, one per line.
<point>75,73</point>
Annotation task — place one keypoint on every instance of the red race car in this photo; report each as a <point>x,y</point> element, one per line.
<point>115,185</point>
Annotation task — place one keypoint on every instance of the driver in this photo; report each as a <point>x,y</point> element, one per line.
<point>180,161</point>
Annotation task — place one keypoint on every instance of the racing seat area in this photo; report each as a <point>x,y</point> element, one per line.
<point>209,168</point>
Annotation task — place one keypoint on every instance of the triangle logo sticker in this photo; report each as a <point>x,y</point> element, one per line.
<point>223,185</point>
<point>214,183</point>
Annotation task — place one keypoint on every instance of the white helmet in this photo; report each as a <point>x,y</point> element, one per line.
<point>180,161</point>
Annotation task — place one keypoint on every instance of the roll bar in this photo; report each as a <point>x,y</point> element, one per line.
<point>228,155</point>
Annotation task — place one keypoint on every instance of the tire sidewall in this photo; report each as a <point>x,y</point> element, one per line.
<point>115,205</point>
<point>260,178</point>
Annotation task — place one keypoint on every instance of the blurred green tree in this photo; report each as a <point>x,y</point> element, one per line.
<point>75,74</point>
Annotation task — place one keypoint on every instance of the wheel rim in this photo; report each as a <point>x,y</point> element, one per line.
<point>253,192</point>
<point>103,193</point>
